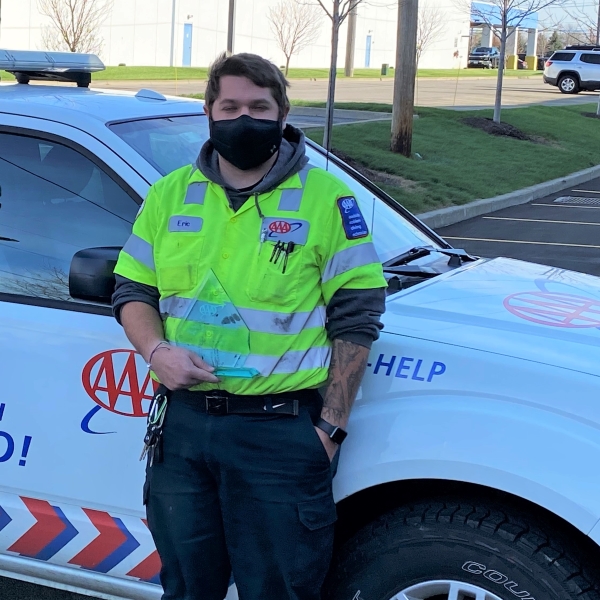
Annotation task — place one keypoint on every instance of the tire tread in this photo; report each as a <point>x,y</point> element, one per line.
<point>531,540</point>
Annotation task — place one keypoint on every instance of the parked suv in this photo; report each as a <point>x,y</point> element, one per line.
<point>485,57</point>
<point>574,69</point>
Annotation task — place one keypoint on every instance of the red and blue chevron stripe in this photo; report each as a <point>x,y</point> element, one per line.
<point>114,543</point>
<point>51,533</point>
<point>4,519</point>
<point>149,569</point>
<point>120,546</point>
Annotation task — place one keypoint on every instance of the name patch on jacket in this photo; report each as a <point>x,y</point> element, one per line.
<point>183,223</point>
<point>286,230</point>
<point>354,223</point>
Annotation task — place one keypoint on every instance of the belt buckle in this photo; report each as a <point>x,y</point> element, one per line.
<point>216,404</point>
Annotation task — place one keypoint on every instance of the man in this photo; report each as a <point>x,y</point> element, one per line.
<point>250,281</point>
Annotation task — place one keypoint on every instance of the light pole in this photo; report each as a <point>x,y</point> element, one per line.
<point>173,33</point>
<point>231,27</point>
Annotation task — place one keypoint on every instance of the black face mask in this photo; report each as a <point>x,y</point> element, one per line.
<point>246,142</point>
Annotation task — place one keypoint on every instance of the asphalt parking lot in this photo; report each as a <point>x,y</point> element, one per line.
<point>451,92</point>
<point>561,230</point>
<point>11,589</point>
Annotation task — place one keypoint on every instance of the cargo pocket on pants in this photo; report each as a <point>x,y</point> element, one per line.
<point>314,544</point>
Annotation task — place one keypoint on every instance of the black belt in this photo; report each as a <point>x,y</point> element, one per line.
<point>216,402</point>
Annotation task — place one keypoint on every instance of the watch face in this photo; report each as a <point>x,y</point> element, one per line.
<point>338,436</point>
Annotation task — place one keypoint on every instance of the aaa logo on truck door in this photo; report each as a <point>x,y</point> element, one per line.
<point>118,381</point>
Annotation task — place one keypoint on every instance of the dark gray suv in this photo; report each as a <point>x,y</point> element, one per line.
<point>485,57</point>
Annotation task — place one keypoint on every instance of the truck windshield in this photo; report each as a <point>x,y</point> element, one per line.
<point>167,143</point>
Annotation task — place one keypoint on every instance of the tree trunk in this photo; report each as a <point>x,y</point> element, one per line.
<point>404,77</point>
<point>498,102</point>
<point>350,43</point>
<point>287,64</point>
<point>598,26</point>
<point>335,29</point>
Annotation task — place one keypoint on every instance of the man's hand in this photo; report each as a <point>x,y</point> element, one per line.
<point>330,447</point>
<point>177,368</point>
<point>180,369</point>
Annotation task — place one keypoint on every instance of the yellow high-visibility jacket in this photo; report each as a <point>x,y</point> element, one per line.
<point>213,266</point>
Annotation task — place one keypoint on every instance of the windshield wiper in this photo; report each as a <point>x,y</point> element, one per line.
<point>412,271</point>
<point>457,257</point>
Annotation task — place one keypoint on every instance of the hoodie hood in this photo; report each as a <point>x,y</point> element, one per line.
<point>290,160</point>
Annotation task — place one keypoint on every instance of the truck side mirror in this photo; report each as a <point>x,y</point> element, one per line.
<point>91,276</point>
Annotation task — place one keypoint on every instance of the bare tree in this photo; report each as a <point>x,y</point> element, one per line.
<point>585,26</point>
<point>74,24</point>
<point>521,43</point>
<point>51,283</point>
<point>500,16</point>
<point>431,24</point>
<point>295,27</point>
<point>475,40</point>
<point>337,11</point>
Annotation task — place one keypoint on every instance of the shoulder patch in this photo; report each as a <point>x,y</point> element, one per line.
<point>354,223</point>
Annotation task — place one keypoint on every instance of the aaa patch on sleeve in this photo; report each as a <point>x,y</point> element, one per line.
<point>354,223</point>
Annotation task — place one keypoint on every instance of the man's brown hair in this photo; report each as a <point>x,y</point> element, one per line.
<point>258,70</point>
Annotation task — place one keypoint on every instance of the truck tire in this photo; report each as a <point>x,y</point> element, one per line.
<point>457,550</point>
<point>568,84</point>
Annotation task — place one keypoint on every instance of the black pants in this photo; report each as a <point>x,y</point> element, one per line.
<point>244,493</point>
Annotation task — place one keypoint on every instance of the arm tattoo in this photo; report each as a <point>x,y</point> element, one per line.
<point>348,364</point>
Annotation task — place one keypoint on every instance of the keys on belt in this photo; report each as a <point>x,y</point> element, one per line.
<point>154,430</point>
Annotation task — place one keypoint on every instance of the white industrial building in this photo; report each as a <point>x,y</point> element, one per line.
<point>194,32</point>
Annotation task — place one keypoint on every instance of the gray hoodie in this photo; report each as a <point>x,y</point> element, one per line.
<point>290,160</point>
<point>352,315</point>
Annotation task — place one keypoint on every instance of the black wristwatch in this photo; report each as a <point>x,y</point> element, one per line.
<point>336,434</point>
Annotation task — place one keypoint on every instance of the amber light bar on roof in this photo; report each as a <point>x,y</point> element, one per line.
<point>71,67</point>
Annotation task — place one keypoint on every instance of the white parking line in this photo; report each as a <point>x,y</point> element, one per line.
<point>540,221</point>
<point>566,205</point>
<point>447,237</point>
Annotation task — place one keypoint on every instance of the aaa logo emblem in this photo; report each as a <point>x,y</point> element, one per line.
<point>118,381</point>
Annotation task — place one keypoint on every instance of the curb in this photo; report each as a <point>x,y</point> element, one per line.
<point>455,214</point>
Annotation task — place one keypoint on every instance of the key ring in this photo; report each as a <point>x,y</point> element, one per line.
<point>157,410</point>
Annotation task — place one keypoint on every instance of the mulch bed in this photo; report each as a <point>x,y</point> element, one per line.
<point>591,115</point>
<point>501,129</point>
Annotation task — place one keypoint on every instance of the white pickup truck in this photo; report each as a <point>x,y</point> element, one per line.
<point>467,473</point>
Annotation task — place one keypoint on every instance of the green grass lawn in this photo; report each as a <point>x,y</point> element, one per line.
<point>156,73</point>
<point>173,73</point>
<point>460,164</point>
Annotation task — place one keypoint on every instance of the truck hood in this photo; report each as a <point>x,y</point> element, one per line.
<point>509,307</point>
